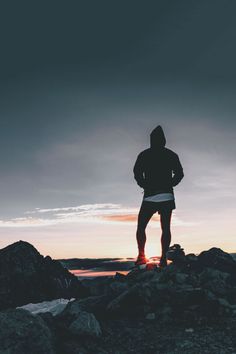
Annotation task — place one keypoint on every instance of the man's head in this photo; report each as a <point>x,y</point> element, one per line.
<point>157,138</point>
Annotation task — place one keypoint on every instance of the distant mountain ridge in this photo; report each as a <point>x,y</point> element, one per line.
<point>97,263</point>
<point>102,264</point>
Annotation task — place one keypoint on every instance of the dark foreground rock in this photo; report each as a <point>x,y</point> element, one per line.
<point>85,324</point>
<point>22,332</point>
<point>26,276</point>
<point>187,307</point>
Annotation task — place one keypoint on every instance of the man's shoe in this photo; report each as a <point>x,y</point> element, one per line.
<point>141,261</point>
<point>163,263</point>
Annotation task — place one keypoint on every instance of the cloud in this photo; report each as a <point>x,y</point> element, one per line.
<point>87,213</point>
<point>26,222</point>
<point>79,207</point>
<point>126,217</point>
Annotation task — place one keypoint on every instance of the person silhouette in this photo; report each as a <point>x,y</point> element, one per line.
<point>157,170</point>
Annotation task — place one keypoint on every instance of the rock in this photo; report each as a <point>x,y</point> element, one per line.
<point>164,313</point>
<point>26,276</point>
<point>188,298</point>
<point>98,285</point>
<point>48,318</point>
<point>85,324</point>
<point>218,259</point>
<point>189,330</point>
<point>118,287</point>
<point>119,276</point>
<point>53,306</point>
<point>192,263</point>
<point>140,275</point>
<point>21,332</point>
<point>176,254</point>
<point>168,273</point>
<point>131,301</point>
<point>214,280</point>
<point>70,312</point>
<point>150,316</point>
<point>187,345</point>
<point>92,304</point>
<point>181,278</point>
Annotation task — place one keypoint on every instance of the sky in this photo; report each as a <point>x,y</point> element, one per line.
<point>82,85</point>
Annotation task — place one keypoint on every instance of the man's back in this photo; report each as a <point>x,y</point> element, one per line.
<point>157,169</point>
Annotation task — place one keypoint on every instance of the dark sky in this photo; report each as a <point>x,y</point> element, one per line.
<point>83,83</point>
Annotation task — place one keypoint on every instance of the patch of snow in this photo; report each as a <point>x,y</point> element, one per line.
<point>54,306</point>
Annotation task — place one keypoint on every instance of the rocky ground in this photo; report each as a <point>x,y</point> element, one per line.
<point>26,276</point>
<point>187,307</point>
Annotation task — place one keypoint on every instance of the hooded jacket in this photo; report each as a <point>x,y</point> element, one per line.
<point>157,169</point>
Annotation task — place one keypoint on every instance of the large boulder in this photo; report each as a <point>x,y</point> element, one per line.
<point>21,333</point>
<point>26,276</point>
<point>85,324</point>
<point>133,301</point>
<point>176,254</point>
<point>218,259</point>
<point>92,304</point>
<point>215,281</point>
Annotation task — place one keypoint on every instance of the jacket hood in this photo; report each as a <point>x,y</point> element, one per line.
<point>157,138</point>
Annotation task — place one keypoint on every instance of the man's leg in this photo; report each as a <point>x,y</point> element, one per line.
<point>145,214</point>
<point>165,218</point>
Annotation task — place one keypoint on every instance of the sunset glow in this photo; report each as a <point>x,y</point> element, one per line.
<point>79,99</point>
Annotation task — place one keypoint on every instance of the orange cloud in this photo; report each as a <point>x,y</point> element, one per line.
<point>126,217</point>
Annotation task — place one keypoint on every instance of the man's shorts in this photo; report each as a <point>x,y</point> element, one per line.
<point>159,206</point>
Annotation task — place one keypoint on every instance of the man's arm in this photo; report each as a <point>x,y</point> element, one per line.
<point>177,170</point>
<point>138,171</point>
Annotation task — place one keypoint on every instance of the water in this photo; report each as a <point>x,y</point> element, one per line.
<point>90,273</point>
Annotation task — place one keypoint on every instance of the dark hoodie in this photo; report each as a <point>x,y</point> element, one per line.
<point>157,169</point>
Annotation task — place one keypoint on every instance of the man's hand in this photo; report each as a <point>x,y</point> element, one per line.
<point>139,172</point>
<point>178,171</point>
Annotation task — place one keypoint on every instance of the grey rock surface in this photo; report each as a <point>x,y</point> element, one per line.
<point>85,324</point>
<point>23,333</point>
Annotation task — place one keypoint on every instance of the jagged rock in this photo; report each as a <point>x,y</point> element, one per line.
<point>118,287</point>
<point>176,254</point>
<point>85,324</point>
<point>150,316</point>
<point>199,301</point>
<point>92,304</point>
<point>70,313</point>
<point>98,285</point>
<point>169,273</point>
<point>48,318</point>
<point>164,313</point>
<point>214,280</point>
<point>218,259</point>
<point>140,275</point>
<point>119,276</point>
<point>26,276</point>
<point>181,278</point>
<point>53,306</point>
<point>22,332</point>
<point>134,301</point>
<point>192,260</point>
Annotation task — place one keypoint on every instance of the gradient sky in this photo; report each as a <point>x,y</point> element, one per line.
<point>82,86</point>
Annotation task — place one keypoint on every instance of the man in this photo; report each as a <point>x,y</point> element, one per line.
<point>157,170</point>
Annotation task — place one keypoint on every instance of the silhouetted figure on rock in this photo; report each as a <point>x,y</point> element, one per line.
<point>157,170</point>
